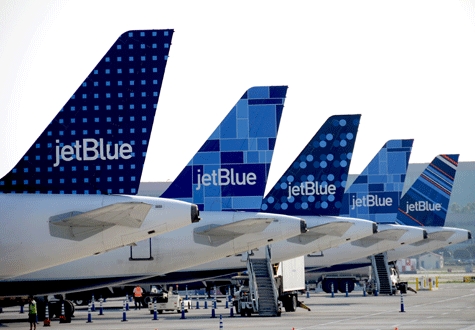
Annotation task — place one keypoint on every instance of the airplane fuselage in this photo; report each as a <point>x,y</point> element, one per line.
<point>389,237</point>
<point>438,237</point>
<point>303,244</point>
<point>179,249</point>
<point>31,228</point>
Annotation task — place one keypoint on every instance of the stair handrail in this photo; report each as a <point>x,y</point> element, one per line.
<point>254,294</point>
<point>388,272</point>
<point>375,272</point>
<point>270,271</point>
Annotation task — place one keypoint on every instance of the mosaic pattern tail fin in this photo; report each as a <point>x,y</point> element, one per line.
<point>315,182</point>
<point>229,172</point>
<point>98,141</point>
<point>427,200</point>
<point>376,192</point>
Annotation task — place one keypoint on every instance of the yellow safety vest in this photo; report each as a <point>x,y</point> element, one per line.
<point>32,307</point>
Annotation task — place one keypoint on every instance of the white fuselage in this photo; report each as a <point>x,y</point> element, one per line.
<point>362,248</point>
<point>175,250</point>
<point>347,260</point>
<point>438,237</point>
<point>26,243</point>
<point>290,249</point>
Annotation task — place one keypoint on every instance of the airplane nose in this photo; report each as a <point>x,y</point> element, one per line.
<point>195,213</point>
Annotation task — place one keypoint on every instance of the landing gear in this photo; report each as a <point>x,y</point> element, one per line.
<point>80,302</point>
<point>342,286</point>
<point>290,303</point>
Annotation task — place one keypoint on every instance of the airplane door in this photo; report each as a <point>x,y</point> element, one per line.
<point>141,250</point>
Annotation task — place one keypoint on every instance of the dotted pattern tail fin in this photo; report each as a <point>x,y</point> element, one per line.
<point>98,141</point>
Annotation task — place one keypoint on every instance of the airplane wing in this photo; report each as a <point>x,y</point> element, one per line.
<point>337,228</point>
<point>215,235</point>
<point>386,235</point>
<point>78,226</point>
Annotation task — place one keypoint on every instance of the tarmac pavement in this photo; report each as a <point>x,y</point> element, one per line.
<point>452,306</point>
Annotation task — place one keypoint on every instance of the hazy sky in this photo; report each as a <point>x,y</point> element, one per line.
<point>407,66</point>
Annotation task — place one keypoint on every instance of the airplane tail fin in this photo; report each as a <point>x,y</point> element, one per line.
<point>427,200</point>
<point>376,192</point>
<point>315,182</point>
<point>229,172</point>
<point>98,141</point>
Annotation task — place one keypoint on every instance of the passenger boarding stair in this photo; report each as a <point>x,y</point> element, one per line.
<point>381,273</point>
<point>263,286</point>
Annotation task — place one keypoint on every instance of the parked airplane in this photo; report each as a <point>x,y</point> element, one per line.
<point>65,199</point>
<point>314,184</point>
<point>235,160</point>
<point>425,204</point>
<point>374,195</point>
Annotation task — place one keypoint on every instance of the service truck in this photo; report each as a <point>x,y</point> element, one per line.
<point>167,301</point>
<point>387,282</point>
<point>288,281</point>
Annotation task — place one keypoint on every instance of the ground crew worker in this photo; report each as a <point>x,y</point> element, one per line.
<point>32,312</point>
<point>138,296</point>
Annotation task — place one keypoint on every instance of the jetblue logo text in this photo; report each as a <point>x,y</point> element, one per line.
<point>91,149</point>
<point>310,189</point>
<point>423,206</point>
<point>371,200</point>
<point>225,177</point>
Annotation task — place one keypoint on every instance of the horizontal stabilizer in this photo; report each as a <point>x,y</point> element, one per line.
<point>81,225</point>
<point>337,229</point>
<point>215,235</point>
<point>386,235</point>
<point>443,235</point>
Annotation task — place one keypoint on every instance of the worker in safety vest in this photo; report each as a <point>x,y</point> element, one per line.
<point>138,296</point>
<point>32,312</point>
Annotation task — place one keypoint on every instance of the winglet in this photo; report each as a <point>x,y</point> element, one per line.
<point>315,182</point>
<point>97,143</point>
<point>376,192</point>
<point>426,202</point>
<point>229,172</point>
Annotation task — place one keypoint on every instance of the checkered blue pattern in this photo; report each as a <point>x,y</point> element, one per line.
<point>229,172</point>
<point>376,192</point>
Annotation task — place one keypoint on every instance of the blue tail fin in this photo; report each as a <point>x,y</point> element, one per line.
<point>376,192</point>
<point>98,141</point>
<point>315,182</point>
<point>230,170</point>
<point>426,202</point>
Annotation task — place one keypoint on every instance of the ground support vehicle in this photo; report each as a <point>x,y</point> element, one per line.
<point>167,301</point>
<point>269,287</point>
<point>379,278</point>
